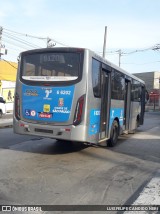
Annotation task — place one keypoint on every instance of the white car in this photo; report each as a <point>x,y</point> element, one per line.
<point>2,106</point>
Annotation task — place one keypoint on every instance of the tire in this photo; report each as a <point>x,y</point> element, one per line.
<point>114,134</point>
<point>0,114</point>
<point>137,123</point>
<point>136,127</point>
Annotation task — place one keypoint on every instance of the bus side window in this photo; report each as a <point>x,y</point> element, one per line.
<point>136,91</point>
<point>96,77</point>
<point>118,85</point>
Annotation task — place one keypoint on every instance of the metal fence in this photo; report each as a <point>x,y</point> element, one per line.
<point>153,102</point>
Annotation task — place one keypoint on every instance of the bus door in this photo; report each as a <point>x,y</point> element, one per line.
<point>127,103</point>
<point>105,101</point>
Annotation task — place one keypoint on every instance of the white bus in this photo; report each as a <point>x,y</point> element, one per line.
<point>75,95</point>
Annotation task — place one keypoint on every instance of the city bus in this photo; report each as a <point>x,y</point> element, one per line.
<point>73,94</point>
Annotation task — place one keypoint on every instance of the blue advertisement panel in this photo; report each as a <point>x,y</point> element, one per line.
<point>94,124</point>
<point>116,112</point>
<point>50,104</point>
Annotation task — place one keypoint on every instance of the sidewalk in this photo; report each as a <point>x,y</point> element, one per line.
<point>6,122</point>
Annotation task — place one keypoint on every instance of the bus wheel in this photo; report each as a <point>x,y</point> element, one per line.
<point>137,122</point>
<point>0,114</point>
<point>114,134</point>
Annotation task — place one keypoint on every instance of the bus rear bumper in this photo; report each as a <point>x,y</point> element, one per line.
<point>70,132</point>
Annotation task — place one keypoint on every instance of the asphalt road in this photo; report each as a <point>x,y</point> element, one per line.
<point>42,171</point>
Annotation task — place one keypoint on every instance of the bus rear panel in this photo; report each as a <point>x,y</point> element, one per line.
<point>50,94</point>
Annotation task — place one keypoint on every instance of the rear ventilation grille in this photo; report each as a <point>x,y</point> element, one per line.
<point>44,131</point>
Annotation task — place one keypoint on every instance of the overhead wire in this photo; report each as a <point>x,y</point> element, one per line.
<point>9,63</point>
<point>136,51</point>
<point>18,42</point>
<point>12,37</point>
<point>36,37</point>
<point>14,43</point>
<point>15,39</point>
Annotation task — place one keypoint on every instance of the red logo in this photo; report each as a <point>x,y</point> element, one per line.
<point>45,115</point>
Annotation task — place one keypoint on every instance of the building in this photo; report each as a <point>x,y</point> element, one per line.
<point>152,80</point>
<point>8,72</point>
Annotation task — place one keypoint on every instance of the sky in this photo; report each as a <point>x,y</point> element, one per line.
<point>133,26</point>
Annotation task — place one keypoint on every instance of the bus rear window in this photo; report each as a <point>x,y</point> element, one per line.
<point>50,66</point>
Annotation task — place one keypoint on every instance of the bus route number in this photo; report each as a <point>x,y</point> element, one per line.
<point>64,92</point>
<point>52,58</point>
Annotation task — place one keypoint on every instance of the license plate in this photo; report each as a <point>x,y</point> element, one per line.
<point>45,115</point>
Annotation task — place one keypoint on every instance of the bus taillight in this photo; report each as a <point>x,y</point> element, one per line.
<point>79,111</point>
<point>17,107</point>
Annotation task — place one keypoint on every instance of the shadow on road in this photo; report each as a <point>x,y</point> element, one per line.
<point>48,146</point>
<point>62,147</point>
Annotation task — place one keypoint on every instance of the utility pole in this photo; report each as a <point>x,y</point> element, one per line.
<point>1,29</point>
<point>48,41</point>
<point>157,48</point>
<point>104,44</point>
<point>159,93</point>
<point>3,50</point>
<point>120,54</point>
<point>49,44</point>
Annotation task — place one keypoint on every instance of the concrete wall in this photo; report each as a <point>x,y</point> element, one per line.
<point>7,86</point>
<point>151,79</point>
